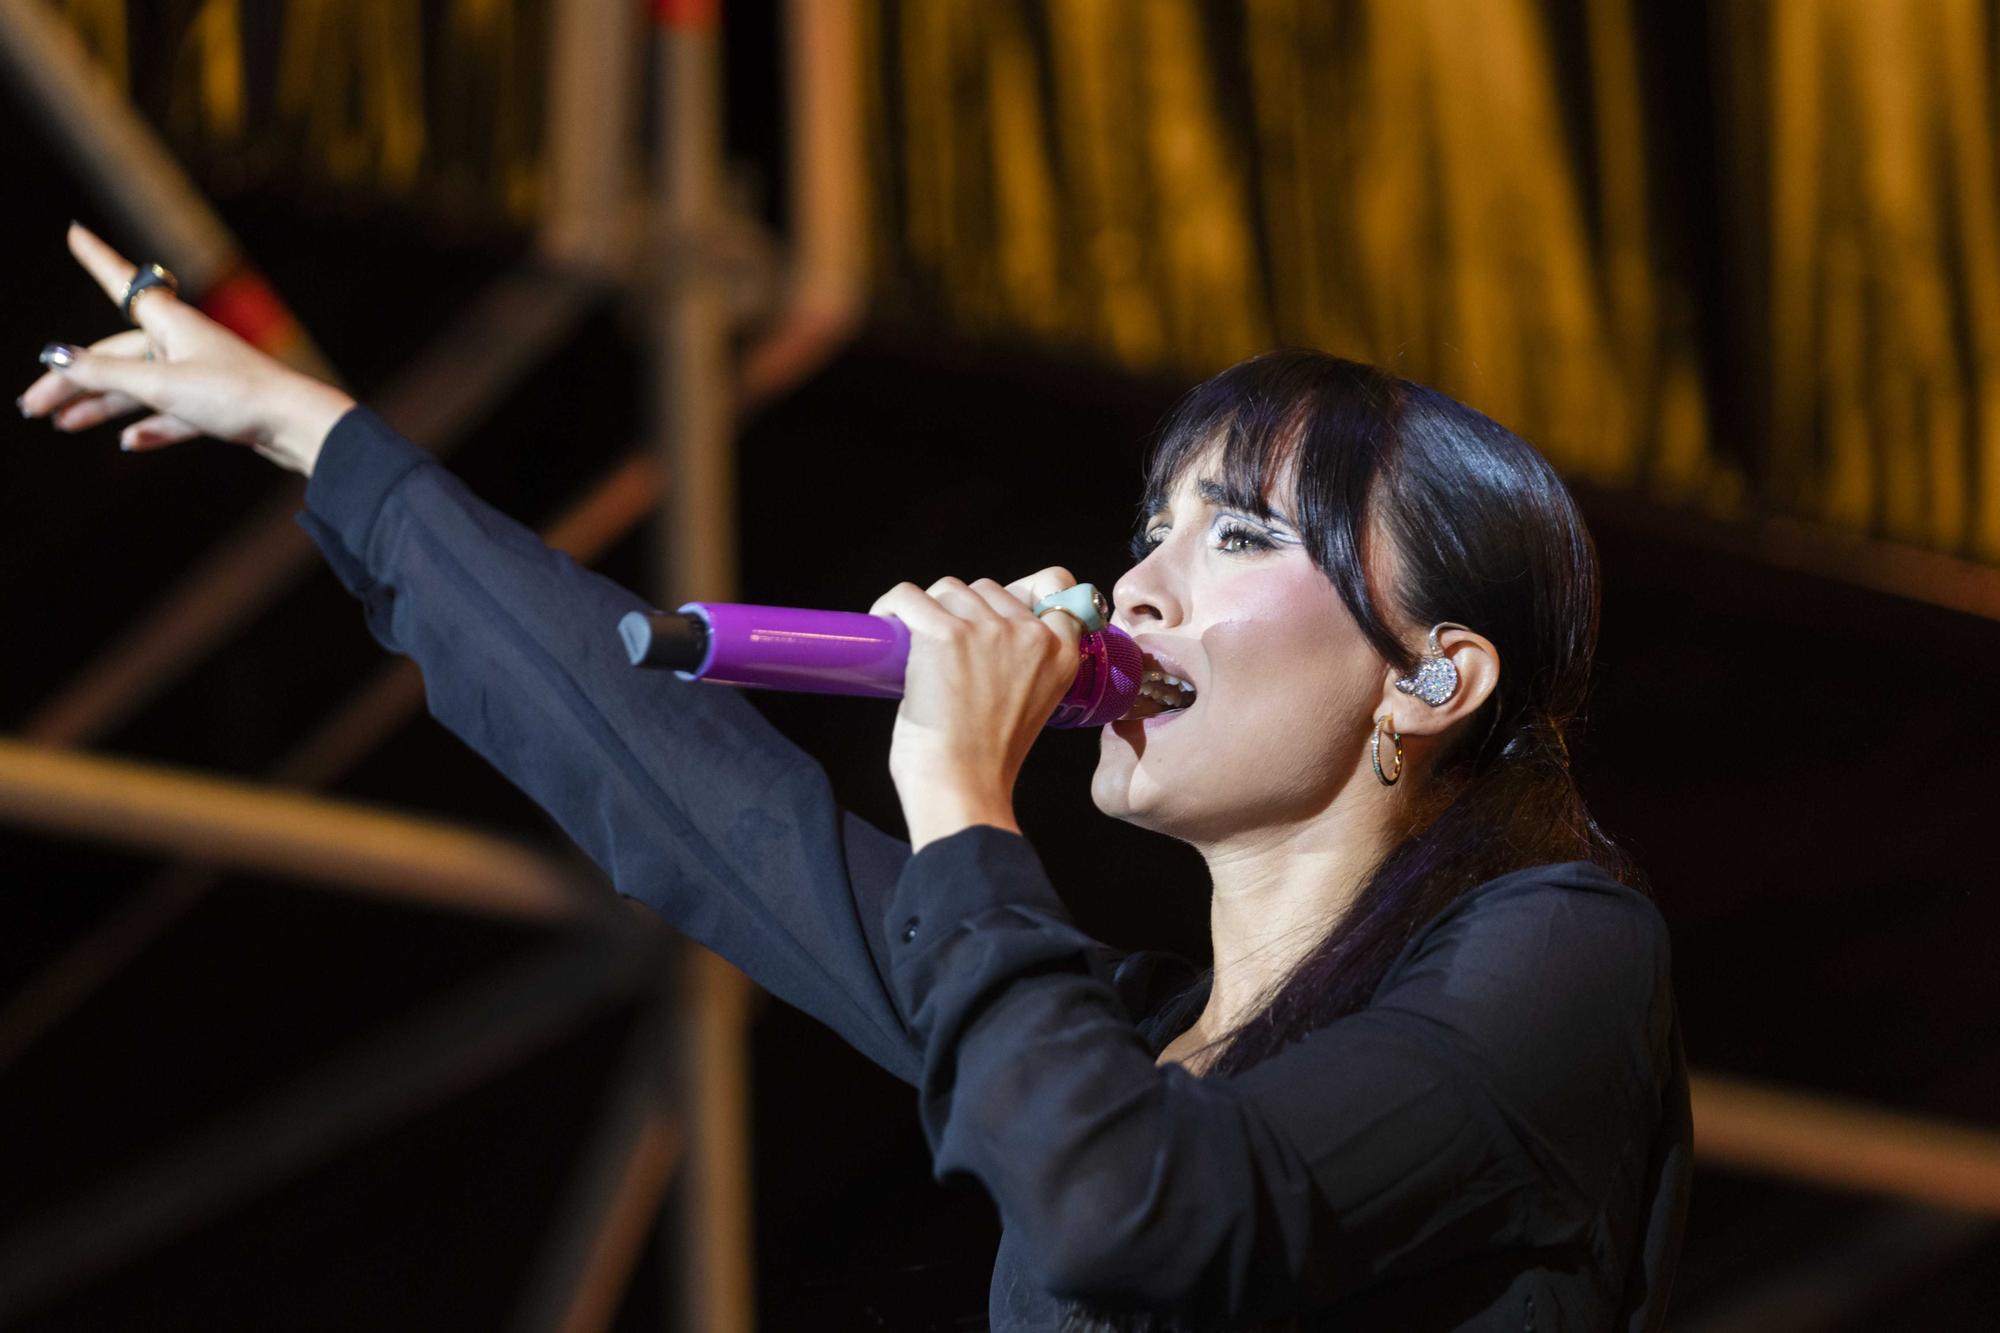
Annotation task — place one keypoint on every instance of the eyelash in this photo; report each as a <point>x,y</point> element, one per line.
<point>1226,531</point>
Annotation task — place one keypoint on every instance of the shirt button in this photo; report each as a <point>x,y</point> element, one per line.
<point>909,930</point>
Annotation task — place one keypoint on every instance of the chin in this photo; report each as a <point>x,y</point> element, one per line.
<point>1112,790</point>
<point>1110,793</point>
<point>1111,783</point>
<point>1192,808</point>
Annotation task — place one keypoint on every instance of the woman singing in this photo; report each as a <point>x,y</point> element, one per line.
<point>1433,1079</point>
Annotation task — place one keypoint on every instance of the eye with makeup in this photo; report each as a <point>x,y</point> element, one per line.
<point>1227,531</point>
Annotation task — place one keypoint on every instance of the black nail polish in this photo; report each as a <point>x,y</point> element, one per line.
<point>21,401</point>
<point>59,355</point>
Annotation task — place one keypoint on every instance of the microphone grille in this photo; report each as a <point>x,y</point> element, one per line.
<point>1125,663</point>
<point>1107,681</point>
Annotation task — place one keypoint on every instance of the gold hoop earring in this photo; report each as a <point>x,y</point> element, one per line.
<point>1375,750</point>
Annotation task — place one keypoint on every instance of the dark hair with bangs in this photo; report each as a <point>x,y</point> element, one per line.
<point>1485,534</point>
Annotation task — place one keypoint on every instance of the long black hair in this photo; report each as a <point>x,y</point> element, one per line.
<point>1484,534</point>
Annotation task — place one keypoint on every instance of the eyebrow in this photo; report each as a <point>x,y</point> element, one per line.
<point>1216,494</point>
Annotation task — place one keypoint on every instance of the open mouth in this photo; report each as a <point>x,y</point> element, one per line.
<point>1160,692</point>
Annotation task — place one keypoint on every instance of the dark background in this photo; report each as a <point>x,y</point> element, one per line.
<point>1803,766</point>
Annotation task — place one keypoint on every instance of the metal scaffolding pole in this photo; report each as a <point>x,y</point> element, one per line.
<point>593,207</point>
<point>140,181</point>
<point>693,385</point>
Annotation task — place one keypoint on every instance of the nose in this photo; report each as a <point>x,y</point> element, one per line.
<point>1144,597</point>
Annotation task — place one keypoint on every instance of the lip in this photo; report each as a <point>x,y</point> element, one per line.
<point>1167,662</point>
<point>1153,723</point>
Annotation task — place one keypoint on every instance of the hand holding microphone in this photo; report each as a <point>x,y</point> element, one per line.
<point>985,674</point>
<point>851,652</point>
<point>979,672</point>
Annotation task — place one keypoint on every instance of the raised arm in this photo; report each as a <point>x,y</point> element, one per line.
<point>681,792</point>
<point>687,798</point>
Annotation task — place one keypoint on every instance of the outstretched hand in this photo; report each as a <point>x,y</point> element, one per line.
<point>984,675</point>
<point>193,375</point>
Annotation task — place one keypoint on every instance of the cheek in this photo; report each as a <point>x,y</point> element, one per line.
<point>1286,701</point>
<point>1289,642</point>
<point>1294,679</point>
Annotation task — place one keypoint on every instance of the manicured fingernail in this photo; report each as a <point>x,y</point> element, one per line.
<point>60,355</point>
<point>21,401</point>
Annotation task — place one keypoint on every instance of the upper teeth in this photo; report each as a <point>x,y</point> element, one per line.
<point>1166,688</point>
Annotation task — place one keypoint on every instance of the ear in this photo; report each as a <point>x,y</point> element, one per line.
<point>1478,663</point>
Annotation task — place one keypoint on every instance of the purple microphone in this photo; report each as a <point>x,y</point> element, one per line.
<point>846,652</point>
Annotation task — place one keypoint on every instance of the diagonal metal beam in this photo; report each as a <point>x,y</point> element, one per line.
<point>352,732</point>
<point>56,991</point>
<point>90,116</point>
<point>457,382</point>
<point>621,1175</point>
<point>634,1185</point>
<point>1806,547</point>
<point>1831,1141</point>
<point>472,1034</point>
<point>180,813</point>
<point>372,714</point>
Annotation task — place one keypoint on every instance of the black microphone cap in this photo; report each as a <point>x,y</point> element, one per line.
<point>668,640</point>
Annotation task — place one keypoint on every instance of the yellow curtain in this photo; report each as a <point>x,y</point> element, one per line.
<point>1387,179</point>
<point>1877,259</point>
<point>1470,193</point>
<point>1487,195</point>
<point>439,101</point>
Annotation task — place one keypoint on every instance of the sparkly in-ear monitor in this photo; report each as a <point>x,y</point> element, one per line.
<point>1436,678</point>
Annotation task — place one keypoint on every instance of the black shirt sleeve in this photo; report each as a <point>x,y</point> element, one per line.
<point>680,791</point>
<point>1488,1097</point>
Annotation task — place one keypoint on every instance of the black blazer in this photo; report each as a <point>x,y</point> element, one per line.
<point>1500,1140</point>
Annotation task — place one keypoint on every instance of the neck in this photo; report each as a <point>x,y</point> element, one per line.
<point>1276,893</point>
